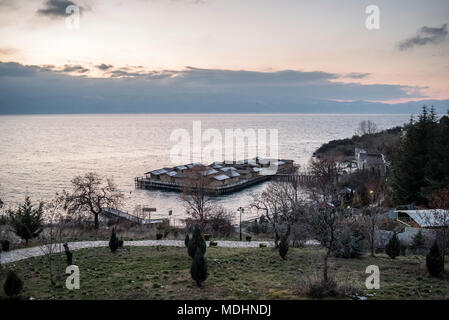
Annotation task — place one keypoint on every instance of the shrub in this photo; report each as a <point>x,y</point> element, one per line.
<point>248,238</point>
<point>207,237</point>
<point>198,269</point>
<point>120,243</point>
<point>402,248</point>
<point>13,284</point>
<point>434,261</point>
<point>393,247</point>
<point>283,246</point>
<point>68,254</point>
<point>3,219</point>
<point>316,288</point>
<point>113,241</point>
<point>418,242</point>
<point>5,245</point>
<point>219,222</point>
<point>255,227</point>
<point>159,236</point>
<point>213,244</point>
<point>348,245</point>
<point>186,240</point>
<point>197,241</point>
<point>321,289</point>
<point>26,221</point>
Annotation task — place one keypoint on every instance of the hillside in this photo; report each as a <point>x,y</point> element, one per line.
<point>385,142</point>
<point>251,273</point>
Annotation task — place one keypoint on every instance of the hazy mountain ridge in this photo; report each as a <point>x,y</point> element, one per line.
<point>205,103</point>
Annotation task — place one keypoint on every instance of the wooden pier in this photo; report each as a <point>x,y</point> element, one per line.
<point>145,183</point>
<point>297,178</point>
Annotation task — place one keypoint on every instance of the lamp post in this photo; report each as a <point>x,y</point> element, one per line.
<point>170,213</point>
<point>241,210</point>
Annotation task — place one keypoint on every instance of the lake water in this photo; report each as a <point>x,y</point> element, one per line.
<point>41,154</point>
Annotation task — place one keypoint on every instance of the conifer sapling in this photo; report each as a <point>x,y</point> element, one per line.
<point>283,246</point>
<point>13,284</point>
<point>393,248</point>
<point>434,261</point>
<point>198,269</point>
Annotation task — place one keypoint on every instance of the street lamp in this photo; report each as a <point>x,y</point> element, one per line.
<point>241,210</point>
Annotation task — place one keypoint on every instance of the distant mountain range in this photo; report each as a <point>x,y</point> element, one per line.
<point>40,90</point>
<point>205,103</point>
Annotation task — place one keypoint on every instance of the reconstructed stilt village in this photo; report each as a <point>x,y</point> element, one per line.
<point>222,177</point>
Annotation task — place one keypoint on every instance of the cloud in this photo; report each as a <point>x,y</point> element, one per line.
<point>105,66</point>
<point>8,3</point>
<point>56,8</point>
<point>425,36</point>
<point>74,68</point>
<point>125,74</point>
<point>50,89</point>
<point>232,77</point>
<point>190,1</point>
<point>8,51</point>
<point>14,69</point>
<point>356,75</point>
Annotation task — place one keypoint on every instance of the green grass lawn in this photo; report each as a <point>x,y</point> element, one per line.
<point>254,273</point>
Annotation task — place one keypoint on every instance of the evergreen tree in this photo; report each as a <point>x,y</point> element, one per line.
<point>409,164</point>
<point>197,241</point>
<point>113,241</point>
<point>186,240</point>
<point>418,241</point>
<point>26,221</point>
<point>13,284</point>
<point>434,261</point>
<point>437,170</point>
<point>393,248</point>
<point>283,246</point>
<point>198,269</point>
<point>348,245</point>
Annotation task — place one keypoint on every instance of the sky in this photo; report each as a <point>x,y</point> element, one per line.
<point>162,53</point>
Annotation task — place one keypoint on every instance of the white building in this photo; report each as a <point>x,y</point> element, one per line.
<point>374,162</point>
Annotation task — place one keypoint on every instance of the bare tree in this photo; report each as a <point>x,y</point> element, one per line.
<point>371,218</point>
<point>59,226</point>
<point>91,193</point>
<point>196,194</point>
<point>220,222</point>
<point>324,217</point>
<point>56,220</point>
<point>366,127</point>
<point>283,206</point>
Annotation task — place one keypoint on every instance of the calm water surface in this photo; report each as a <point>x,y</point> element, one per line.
<point>41,154</point>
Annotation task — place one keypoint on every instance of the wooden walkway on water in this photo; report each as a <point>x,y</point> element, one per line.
<point>145,183</point>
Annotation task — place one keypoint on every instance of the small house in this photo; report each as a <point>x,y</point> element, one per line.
<point>219,180</point>
<point>374,162</point>
<point>428,219</point>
